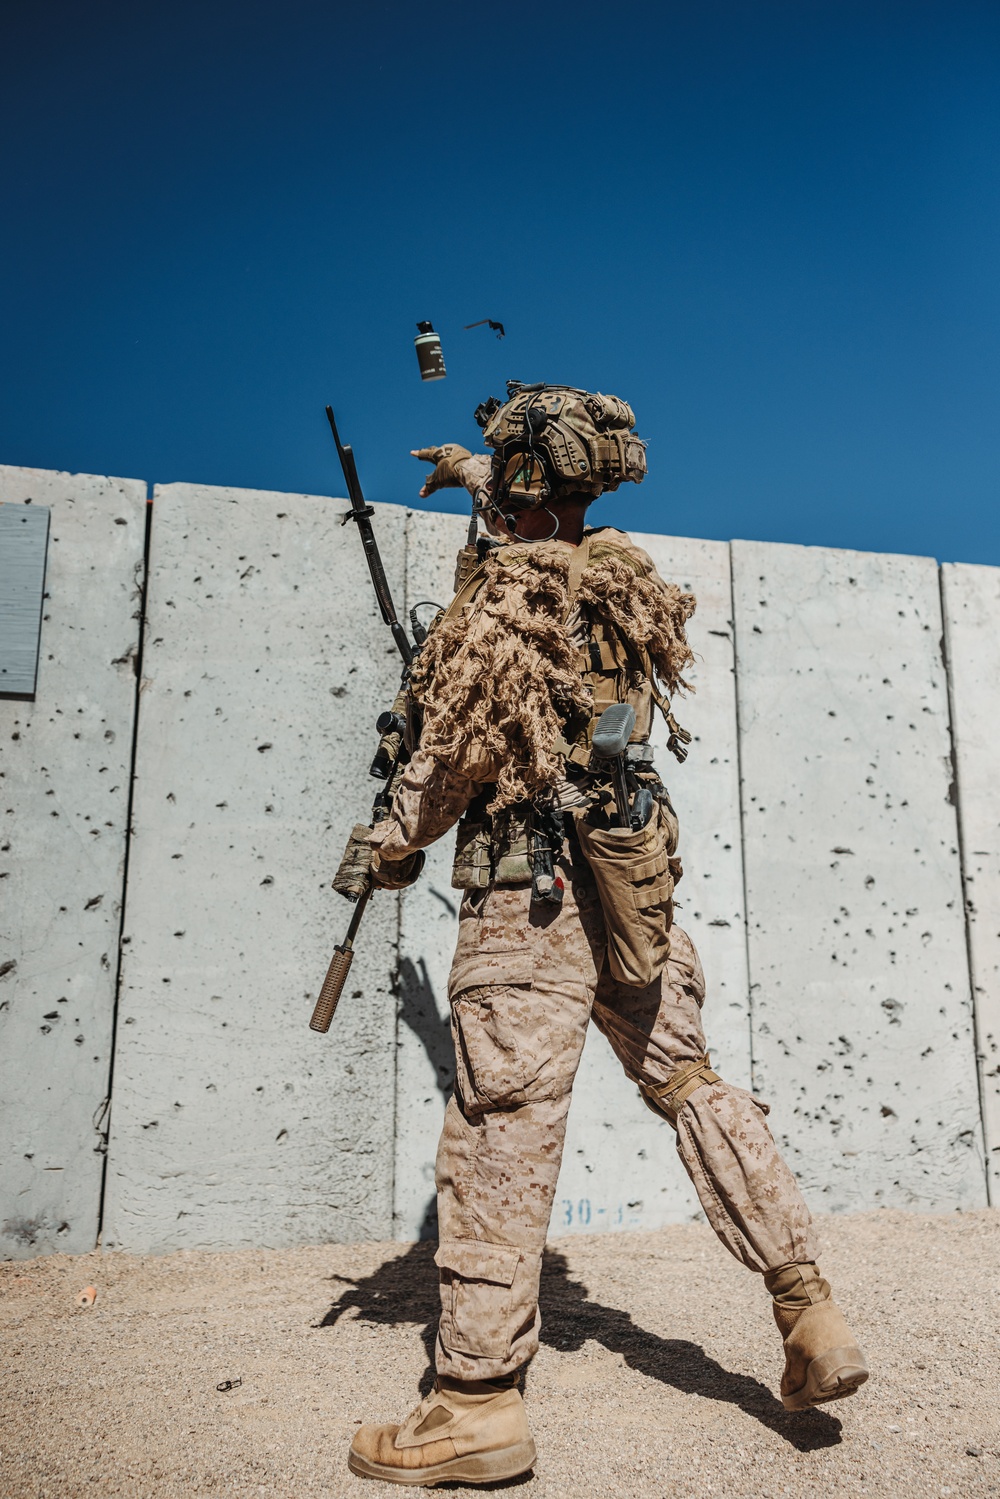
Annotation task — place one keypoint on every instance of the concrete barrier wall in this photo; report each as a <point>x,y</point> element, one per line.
<point>971,598</point>
<point>265,661</point>
<point>65,764</point>
<point>862,1009</point>
<point>620,1168</point>
<point>844,995</point>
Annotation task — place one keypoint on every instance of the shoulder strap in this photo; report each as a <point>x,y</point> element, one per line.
<point>579,558</point>
<point>468,591</point>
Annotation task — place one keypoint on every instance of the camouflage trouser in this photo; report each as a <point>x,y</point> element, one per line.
<point>524,984</point>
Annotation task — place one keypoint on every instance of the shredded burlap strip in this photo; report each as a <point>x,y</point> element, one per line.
<point>499,682</point>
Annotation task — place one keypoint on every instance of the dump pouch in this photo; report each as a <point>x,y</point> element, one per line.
<point>634,881</point>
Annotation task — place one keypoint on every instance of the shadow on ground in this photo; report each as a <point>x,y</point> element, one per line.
<point>404,1290</point>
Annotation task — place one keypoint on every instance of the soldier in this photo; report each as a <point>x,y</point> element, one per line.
<point>566,917</point>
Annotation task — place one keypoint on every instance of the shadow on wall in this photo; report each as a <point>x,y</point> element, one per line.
<point>404,1290</point>
<point>419,1010</point>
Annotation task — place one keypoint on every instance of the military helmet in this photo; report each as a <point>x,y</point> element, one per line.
<point>552,438</point>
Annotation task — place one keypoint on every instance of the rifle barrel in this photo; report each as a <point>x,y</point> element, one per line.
<point>362,513</point>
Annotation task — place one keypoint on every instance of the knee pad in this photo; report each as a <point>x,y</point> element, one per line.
<point>667,1099</point>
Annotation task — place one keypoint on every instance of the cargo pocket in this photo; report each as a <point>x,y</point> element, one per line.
<point>635,884</point>
<point>477,1292</point>
<point>489,1068</point>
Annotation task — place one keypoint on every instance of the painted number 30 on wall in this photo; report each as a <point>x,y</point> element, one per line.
<point>579,1214</point>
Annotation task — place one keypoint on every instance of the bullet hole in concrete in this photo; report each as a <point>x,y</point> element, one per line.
<point>268,879</point>
<point>45,1029</point>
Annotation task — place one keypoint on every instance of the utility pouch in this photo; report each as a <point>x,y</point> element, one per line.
<point>634,881</point>
<point>471,869</point>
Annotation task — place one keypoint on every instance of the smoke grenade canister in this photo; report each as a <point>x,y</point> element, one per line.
<point>429,355</point>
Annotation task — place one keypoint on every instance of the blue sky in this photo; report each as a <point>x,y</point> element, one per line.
<point>772,227</point>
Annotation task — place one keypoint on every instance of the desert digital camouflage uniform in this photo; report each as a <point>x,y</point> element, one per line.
<point>526,980</point>
<point>544,640</point>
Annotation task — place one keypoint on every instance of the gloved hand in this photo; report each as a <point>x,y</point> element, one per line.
<point>389,876</point>
<point>363,861</point>
<point>444,458</point>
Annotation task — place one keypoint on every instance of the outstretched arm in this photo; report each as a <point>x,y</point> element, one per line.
<point>454,468</point>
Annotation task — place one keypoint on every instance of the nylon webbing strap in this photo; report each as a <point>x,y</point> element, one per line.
<point>579,558</point>
<point>468,590</point>
<point>670,1097</point>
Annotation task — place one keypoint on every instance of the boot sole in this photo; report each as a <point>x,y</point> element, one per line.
<point>475,1467</point>
<point>831,1376</point>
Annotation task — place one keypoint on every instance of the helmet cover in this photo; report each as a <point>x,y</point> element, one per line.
<point>552,438</point>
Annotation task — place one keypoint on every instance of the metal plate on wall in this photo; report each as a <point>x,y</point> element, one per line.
<point>24,539</point>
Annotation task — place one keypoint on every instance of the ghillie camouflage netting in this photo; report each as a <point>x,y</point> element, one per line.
<point>499,682</point>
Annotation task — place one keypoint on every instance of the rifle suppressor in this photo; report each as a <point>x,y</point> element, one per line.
<point>333,988</point>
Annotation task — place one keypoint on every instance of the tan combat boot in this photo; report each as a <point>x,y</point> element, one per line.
<point>822,1357</point>
<point>470,1433</point>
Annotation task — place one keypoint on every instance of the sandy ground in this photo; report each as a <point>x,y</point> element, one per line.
<point>656,1375</point>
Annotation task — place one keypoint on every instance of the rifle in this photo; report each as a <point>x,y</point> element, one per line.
<point>391,754</point>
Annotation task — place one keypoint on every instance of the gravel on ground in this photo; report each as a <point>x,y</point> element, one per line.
<point>656,1378</point>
